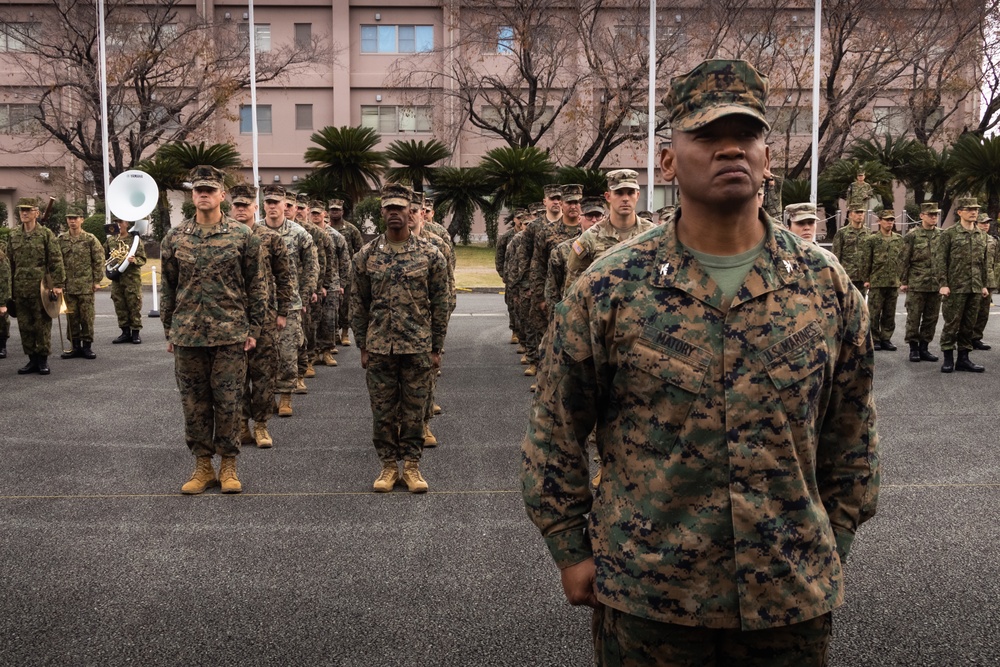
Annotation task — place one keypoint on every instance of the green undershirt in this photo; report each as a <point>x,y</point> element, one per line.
<point>729,271</point>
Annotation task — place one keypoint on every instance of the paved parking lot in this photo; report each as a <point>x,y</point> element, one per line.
<point>102,562</point>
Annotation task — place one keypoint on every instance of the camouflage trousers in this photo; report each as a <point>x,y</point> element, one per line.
<point>508,299</point>
<point>533,320</point>
<point>262,367</point>
<point>960,312</point>
<point>126,294</point>
<point>289,340</point>
<point>982,319</point>
<point>327,334</point>
<point>922,310</point>
<point>429,403</point>
<point>882,311</point>
<point>343,312</point>
<point>518,307</point>
<point>860,284</point>
<point>34,325</point>
<point>398,386</point>
<point>4,327</point>
<point>309,323</point>
<point>210,380</point>
<point>80,317</point>
<point>624,640</point>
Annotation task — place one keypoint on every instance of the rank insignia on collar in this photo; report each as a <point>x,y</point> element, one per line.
<point>665,269</point>
<point>788,266</point>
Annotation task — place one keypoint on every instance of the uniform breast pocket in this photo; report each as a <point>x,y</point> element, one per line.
<point>415,277</point>
<point>798,375</point>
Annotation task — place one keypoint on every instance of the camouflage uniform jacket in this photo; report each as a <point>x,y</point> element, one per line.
<point>503,241</point>
<point>448,254</point>
<point>555,280</point>
<point>533,230</point>
<point>597,241</point>
<point>399,304</point>
<point>847,246</point>
<point>737,437</point>
<point>515,267</point>
<point>31,256</point>
<point>4,278</point>
<point>881,258</point>
<point>302,253</point>
<point>326,258</point>
<point>859,194</point>
<point>352,234</point>
<point>83,259</point>
<point>342,257</point>
<point>992,263</point>
<point>547,239</point>
<point>917,262</point>
<point>213,291</point>
<point>960,262</point>
<point>132,274</point>
<point>279,273</point>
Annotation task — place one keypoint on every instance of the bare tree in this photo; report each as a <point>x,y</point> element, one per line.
<point>169,74</point>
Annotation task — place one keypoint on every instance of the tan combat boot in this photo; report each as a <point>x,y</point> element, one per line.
<point>521,349</point>
<point>411,476</point>
<point>261,436</point>
<point>202,478</point>
<point>227,475</point>
<point>436,409</point>
<point>524,359</point>
<point>284,405</point>
<point>513,338</point>
<point>334,350</point>
<point>310,371</point>
<point>429,439</point>
<point>246,437</point>
<point>387,478</point>
<point>300,387</point>
<point>328,359</point>
<point>531,371</point>
<point>344,339</point>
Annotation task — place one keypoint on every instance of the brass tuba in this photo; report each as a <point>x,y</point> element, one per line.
<point>131,197</point>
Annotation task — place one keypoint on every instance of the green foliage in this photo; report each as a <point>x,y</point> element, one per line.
<point>3,215</point>
<point>95,225</point>
<point>795,191</point>
<point>188,209</point>
<point>492,222</point>
<point>460,192</point>
<point>975,169</point>
<point>417,160</point>
<point>594,182</point>
<point>172,162</point>
<point>347,158</point>
<point>842,173</point>
<point>160,220</point>
<point>515,176</point>
<point>319,185</point>
<point>4,234</point>
<point>370,209</point>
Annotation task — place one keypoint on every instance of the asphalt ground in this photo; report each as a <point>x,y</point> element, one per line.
<point>103,562</point>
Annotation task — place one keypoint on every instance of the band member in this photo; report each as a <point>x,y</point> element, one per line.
<point>126,291</point>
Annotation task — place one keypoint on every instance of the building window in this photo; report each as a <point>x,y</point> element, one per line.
<point>894,121</point>
<point>303,116</point>
<point>19,36</point>
<point>394,120</point>
<point>397,38</point>
<point>19,119</point>
<point>505,40</point>
<point>303,35</point>
<point>263,119</point>
<point>262,35</point>
<point>792,120</point>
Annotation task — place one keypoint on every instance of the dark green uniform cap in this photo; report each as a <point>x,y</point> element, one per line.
<point>242,194</point>
<point>715,89</point>
<point>206,176</point>
<point>274,193</point>
<point>75,212</point>
<point>967,202</point>
<point>395,194</point>
<point>27,202</point>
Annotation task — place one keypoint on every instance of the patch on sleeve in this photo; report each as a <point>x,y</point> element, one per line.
<point>577,248</point>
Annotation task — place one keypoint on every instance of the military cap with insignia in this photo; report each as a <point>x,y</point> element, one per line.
<point>27,202</point>
<point>930,207</point>
<point>553,191</point>
<point>242,194</point>
<point>207,176</point>
<point>336,204</point>
<point>983,218</point>
<point>592,205</point>
<point>572,192</point>
<point>428,202</point>
<point>302,200</point>
<point>316,206</point>
<point>623,178</point>
<point>274,193</point>
<point>715,89</point>
<point>801,213</point>
<point>967,202</point>
<point>395,194</point>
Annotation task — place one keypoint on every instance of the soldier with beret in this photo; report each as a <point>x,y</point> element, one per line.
<point>962,273</point>
<point>213,304</point>
<point>400,318</point>
<point>727,368</point>
<point>880,268</point>
<point>354,243</point>
<point>992,282</point>
<point>126,288</point>
<point>849,241</point>
<point>83,259</point>
<point>920,284</point>
<point>802,220</point>
<point>33,251</point>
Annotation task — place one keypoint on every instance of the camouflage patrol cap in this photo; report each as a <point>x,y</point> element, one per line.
<point>302,200</point>
<point>573,192</point>
<point>887,214</point>
<point>645,215</point>
<point>801,212</point>
<point>521,212</point>
<point>665,211</point>
<point>623,178</point>
<point>428,202</point>
<point>336,204</point>
<point>274,193</point>
<point>316,206</point>
<point>206,176</point>
<point>538,208</point>
<point>416,199</point>
<point>27,202</point>
<point>857,205</point>
<point>553,191</point>
<point>74,212</point>
<point>242,194</point>
<point>967,202</point>
<point>395,194</point>
<point>930,207</point>
<point>592,205</point>
<point>983,219</point>
<point>714,89</point>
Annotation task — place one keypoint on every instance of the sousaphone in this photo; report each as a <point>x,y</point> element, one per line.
<point>132,196</point>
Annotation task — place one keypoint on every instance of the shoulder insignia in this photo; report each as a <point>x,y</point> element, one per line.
<point>577,248</point>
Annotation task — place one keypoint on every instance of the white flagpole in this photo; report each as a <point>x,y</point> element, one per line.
<point>253,104</point>
<point>103,57</point>
<point>817,37</point>
<point>651,109</point>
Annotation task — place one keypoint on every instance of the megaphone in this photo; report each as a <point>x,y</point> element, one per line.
<point>132,195</point>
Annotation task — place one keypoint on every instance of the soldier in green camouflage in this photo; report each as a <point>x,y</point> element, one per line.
<point>4,297</point>
<point>534,319</point>
<point>327,337</point>
<point>920,283</point>
<point>436,228</point>
<point>556,281</point>
<point>880,267</point>
<point>83,260</point>
<point>400,318</point>
<point>727,366</point>
<point>516,284</point>
<point>354,243</point>
<point>801,219</point>
<point>962,272</point>
<point>859,193</point>
<point>311,316</point>
<point>992,283</point>
<point>545,242</point>
<point>126,290</point>
<point>212,305</point>
<point>263,359</point>
<point>33,251</point>
<point>500,259</point>
<point>849,241</point>
<point>620,225</point>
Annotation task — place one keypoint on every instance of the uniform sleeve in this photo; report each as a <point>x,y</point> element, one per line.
<point>904,259</point>
<point>308,266</point>
<point>168,282</point>
<point>942,257</point>
<point>344,263</point>
<point>140,254</point>
<point>361,299</point>
<point>868,247</point>
<point>4,279</point>
<point>438,285</point>
<point>256,285</point>
<point>501,254</point>
<point>281,269</point>
<point>580,257</point>
<point>554,279</point>
<point>538,268</point>
<point>331,280</point>
<point>55,267</point>
<point>96,260</point>
<point>838,244</point>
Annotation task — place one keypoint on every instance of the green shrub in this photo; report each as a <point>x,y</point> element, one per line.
<point>95,225</point>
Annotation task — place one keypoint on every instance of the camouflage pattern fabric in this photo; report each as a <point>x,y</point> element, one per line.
<point>354,243</point>
<point>992,279</point>
<point>545,241</point>
<point>441,231</point>
<point>555,280</point>
<point>302,254</point>
<point>533,320</point>
<point>262,369</point>
<point>848,244</point>
<point>859,195</point>
<point>31,255</point>
<point>326,257</point>
<point>737,439</point>
<point>960,311</point>
<point>210,381</point>
<point>960,261</point>
<point>922,310</point>
<point>83,260</point>
<point>288,342</point>
<point>398,386</point>
<point>882,311</point>
<point>351,234</point>
<point>503,242</point>
<point>449,256</point>
<point>923,303</point>
<point>279,272</point>
<point>597,241</point>
<point>80,314</point>
<point>126,292</point>
<point>5,294</point>
<point>516,282</point>
<point>881,260</point>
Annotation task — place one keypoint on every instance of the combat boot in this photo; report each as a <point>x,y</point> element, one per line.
<point>513,338</point>
<point>125,337</point>
<point>386,479</point>
<point>328,359</point>
<point>414,481</point>
<point>533,388</point>
<point>888,346</point>
<point>521,349</point>
<point>261,435</point>
<point>429,439</point>
<point>227,475</point>
<point>925,354</point>
<point>436,409</point>
<point>284,405</point>
<point>202,478</point>
<point>344,339</point>
<point>915,351</point>
<point>77,351</point>
<point>978,344</point>
<point>966,364</point>
<point>524,359</point>
<point>246,437</point>
<point>876,345</point>
<point>300,387</point>
<point>333,350</point>
<point>949,361</point>
<point>310,373</point>
<point>86,351</point>
<point>43,364</point>
<point>3,348</point>
<point>135,337</point>
<point>531,371</point>
<point>30,367</point>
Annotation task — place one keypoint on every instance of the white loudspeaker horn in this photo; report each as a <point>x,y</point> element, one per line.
<point>132,195</point>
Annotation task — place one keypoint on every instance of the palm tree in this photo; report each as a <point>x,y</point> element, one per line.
<point>975,168</point>
<point>842,173</point>
<point>346,156</point>
<point>929,175</point>
<point>896,155</point>
<point>416,159</point>
<point>594,182</point>
<point>515,176</point>
<point>461,192</point>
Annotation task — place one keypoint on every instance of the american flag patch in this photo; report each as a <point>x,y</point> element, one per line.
<point>577,248</point>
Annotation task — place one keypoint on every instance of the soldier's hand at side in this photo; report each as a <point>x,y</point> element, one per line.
<point>324,292</point>
<point>57,291</point>
<point>944,291</point>
<point>3,310</point>
<point>250,344</point>
<point>364,358</point>
<point>97,286</point>
<point>314,298</point>
<point>986,292</point>
<point>170,347</point>
<point>902,288</point>
<point>436,359</point>
<point>867,285</point>
<point>281,322</point>
<point>578,582</point>
<point>340,290</point>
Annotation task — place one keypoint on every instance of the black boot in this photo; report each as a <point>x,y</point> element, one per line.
<point>914,351</point>
<point>77,351</point>
<point>30,367</point>
<point>949,361</point>
<point>978,344</point>
<point>887,345</point>
<point>135,337</point>
<point>3,348</point>
<point>876,345</point>
<point>966,364</point>
<point>125,337</point>
<point>43,364</point>
<point>925,354</point>
<point>86,351</point>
